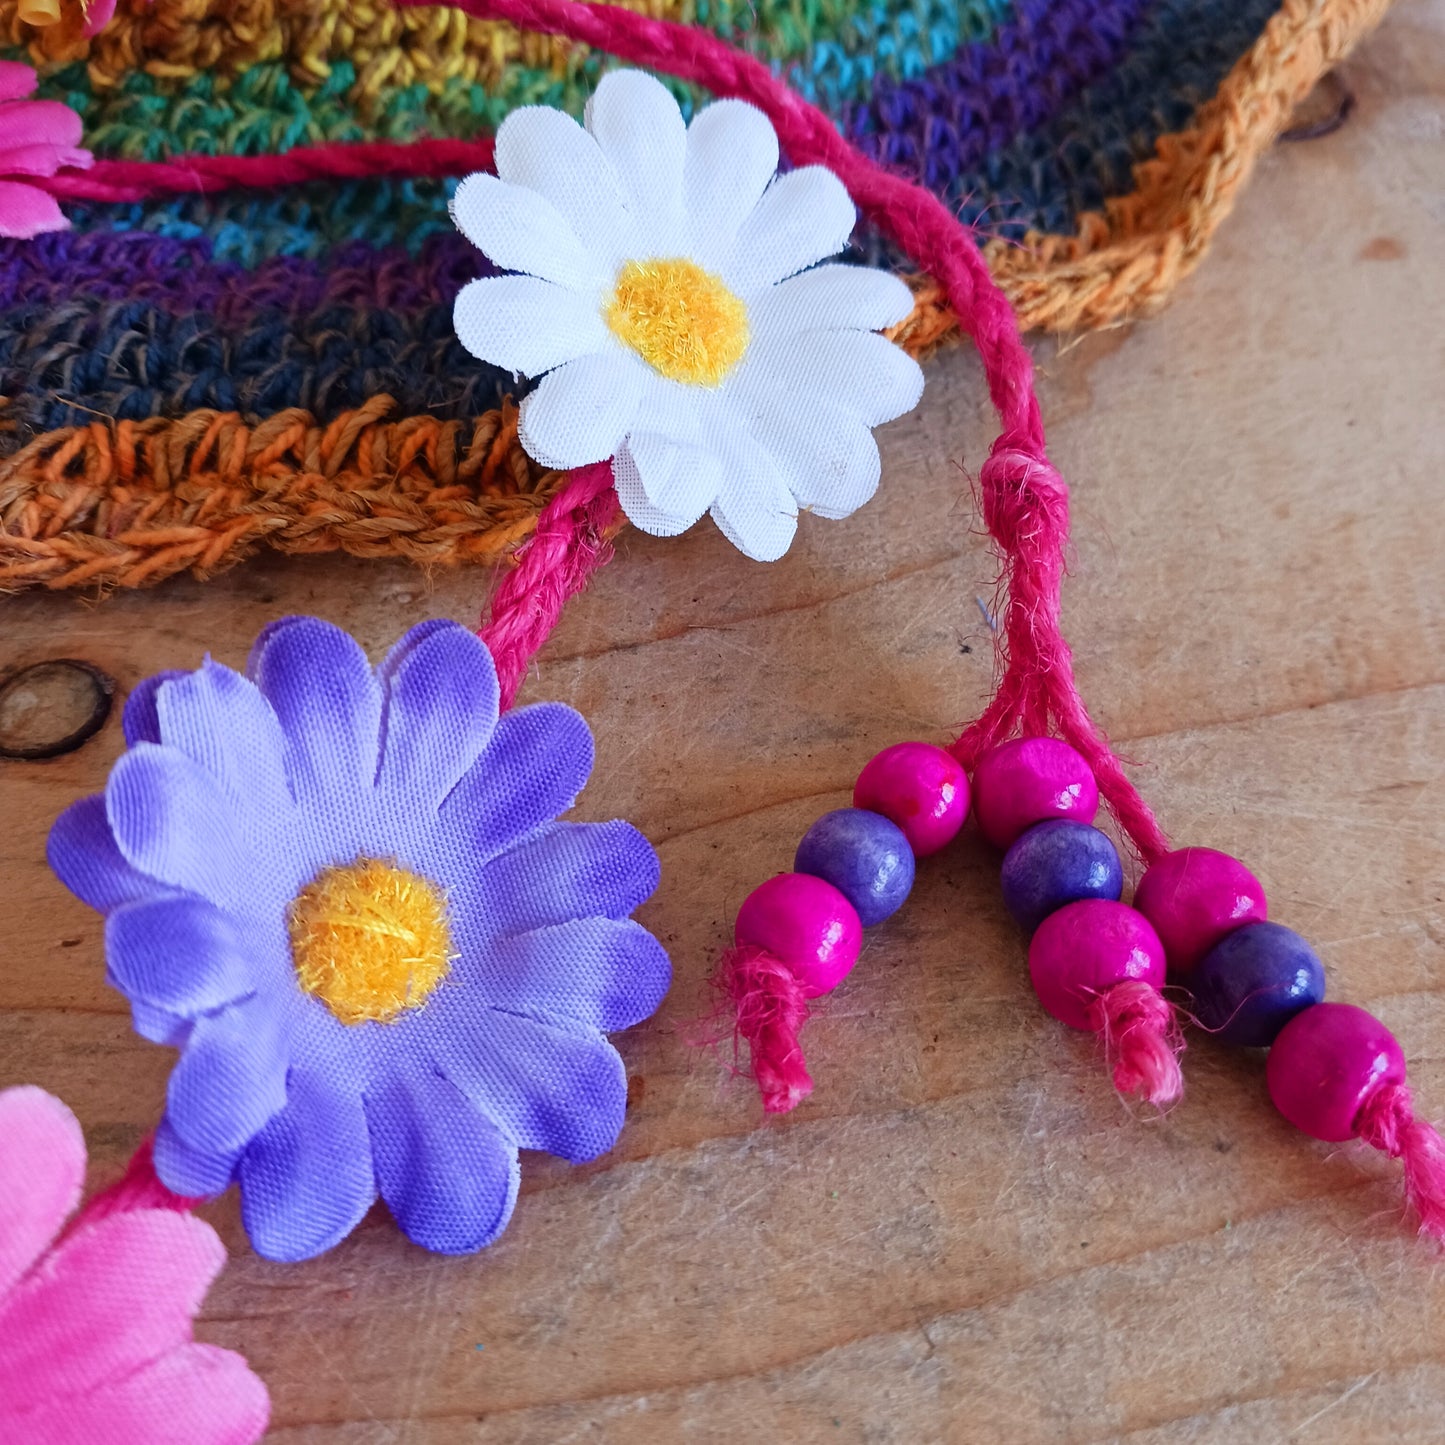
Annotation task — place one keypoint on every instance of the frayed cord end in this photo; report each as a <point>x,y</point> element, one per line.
<point>1388,1123</point>
<point>1142,1041</point>
<point>769,1009</point>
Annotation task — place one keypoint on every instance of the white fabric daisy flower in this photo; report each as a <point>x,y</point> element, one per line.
<point>665,291</point>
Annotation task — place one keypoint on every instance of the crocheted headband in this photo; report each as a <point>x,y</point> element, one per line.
<point>345,892</point>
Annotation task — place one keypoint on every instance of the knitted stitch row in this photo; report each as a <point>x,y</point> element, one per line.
<point>326,296</point>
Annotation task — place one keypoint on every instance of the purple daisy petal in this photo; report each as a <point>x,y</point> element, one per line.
<point>306,1179</point>
<point>567,871</point>
<point>171,821</point>
<point>82,851</point>
<point>179,954</point>
<point>328,701</point>
<point>538,761</point>
<point>158,1025</point>
<point>440,710</point>
<point>230,1080</point>
<point>604,973</point>
<point>448,1177</point>
<point>190,1172</point>
<point>220,720</point>
<point>544,1085</point>
<point>140,722</point>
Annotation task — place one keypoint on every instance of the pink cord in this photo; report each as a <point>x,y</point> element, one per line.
<point>137,1188</point>
<point>770,1009</point>
<point>1142,1041</point>
<point>570,543</point>
<point>1388,1123</point>
<point>1025,501</point>
<point>360,160</point>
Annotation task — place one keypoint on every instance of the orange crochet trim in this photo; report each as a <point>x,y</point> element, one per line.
<point>1125,262</point>
<point>124,504</point>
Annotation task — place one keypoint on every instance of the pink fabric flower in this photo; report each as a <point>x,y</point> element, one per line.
<point>37,138</point>
<point>95,1327</point>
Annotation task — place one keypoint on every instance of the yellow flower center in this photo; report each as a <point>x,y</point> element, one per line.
<point>681,320</point>
<point>370,940</point>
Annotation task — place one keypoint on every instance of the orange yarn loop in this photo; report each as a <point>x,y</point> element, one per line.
<point>124,504</point>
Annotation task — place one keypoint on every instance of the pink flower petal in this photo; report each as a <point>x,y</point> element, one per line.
<point>195,1395</point>
<point>37,122</point>
<point>40,159</point>
<point>42,1169</point>
<point>115,1295</point>
<point>16,80</point>
<point>97,16</point>
<point>27,211</point>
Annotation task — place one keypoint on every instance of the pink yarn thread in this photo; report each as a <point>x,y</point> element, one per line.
<point>1025,501</point>
<point>571,541</point>
<point>1388,1123</point>
<point>200,174</point>
<point>770,1009</point>
<point>1142,1041</point>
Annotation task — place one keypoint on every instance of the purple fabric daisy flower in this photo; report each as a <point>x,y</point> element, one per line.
<point>345,895</point>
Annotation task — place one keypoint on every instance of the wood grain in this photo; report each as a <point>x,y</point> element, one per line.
<point>963,1236</point>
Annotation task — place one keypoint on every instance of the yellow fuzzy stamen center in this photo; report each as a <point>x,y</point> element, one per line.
<point>681,320</point>
<point>370,940</point>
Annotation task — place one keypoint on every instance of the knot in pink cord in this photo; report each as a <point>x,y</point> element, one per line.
<point>1024,499</point>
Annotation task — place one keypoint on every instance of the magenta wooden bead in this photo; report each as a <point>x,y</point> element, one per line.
<point>1028,781</point>
<point>1193,897</point>
<point>919,788</point>
<point>1087,947</point>
<point>1325,1065</point>
<point>807,924</point>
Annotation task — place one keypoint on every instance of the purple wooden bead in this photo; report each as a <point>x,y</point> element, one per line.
<point>1253,982</point>
<point>864,856</point>
<point>1057,863</point>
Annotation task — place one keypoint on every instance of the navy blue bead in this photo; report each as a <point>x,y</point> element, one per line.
<point>864,856</point>
<point>1055,863</point>
<point>1253,982</point>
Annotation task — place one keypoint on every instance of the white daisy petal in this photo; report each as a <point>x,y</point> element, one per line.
<point>518,230</point>
<point>732,154</point>
<point>638,127</point>
<point>546,151</point>
<point>803,217</point>
<point>682,481</point>
<point>831,298</point>
<point>754,509</point>
<point>582,411</point>
<point>859,370</point>
<point>637,508</point>
<point>826,453</point>
<point>525,325</point>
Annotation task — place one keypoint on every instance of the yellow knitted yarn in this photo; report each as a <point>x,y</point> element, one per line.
<point>370,940</point>
<point>681,320</point>
<point>389,47</point>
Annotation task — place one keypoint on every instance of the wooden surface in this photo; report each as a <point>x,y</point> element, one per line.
<point>962,1236</point>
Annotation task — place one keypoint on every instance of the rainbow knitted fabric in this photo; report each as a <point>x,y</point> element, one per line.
<point>185,377</point>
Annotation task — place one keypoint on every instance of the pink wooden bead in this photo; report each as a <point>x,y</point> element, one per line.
<point>1085,948</point>
<point>807,924</point>
<point>1028,781</point>
<point>919,788</point>
<point>1193,897</point>
<point>1325,1064</point>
